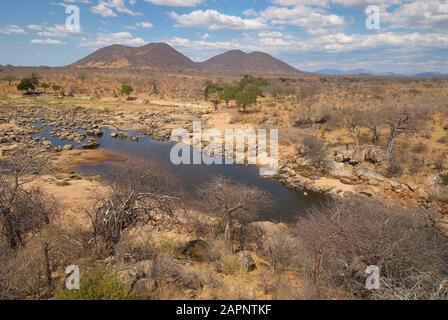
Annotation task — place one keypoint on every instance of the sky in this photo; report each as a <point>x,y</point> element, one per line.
<point>403,36</point>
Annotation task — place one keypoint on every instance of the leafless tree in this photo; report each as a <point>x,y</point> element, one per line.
<point>400,119</point>
<point>142,197</point>
<point>23,208</point>
<point>233,202</point>
<point>307,95</point>
<point>344,238</point>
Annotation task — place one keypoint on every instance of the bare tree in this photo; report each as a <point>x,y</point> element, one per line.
<point>342,239</point>
<point>23,208</point>
<point>400,119</point>
<point>233,202</point>
<point>307,95</point>
<point>141,198</point>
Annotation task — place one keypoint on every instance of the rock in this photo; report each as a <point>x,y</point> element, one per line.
<point>365,194</point>
<point>196,249</point>
<point>91,144</point>
<point>369,175</point>
<point>247,261</point>
<point>133,273</point>
<point>113,134</point>
<point>10,148</point>
<point>412,186</point>
<point>67,147</point>
<point>128,277</point>
<point>97,133</point>
<point>143,288</point>
<point>395,184</point>
<point>339,158</point>
<point>347,181</point>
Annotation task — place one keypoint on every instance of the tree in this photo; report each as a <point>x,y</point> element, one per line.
<point>228,93</point>
<point>29,85</point>
<point>340,240</point>
<point>127,90</point>
<point>56,87</point>
<point>22,208</point>
<point>353,119</point>
<point>247,97</point>
<point>233,202</point>
<point>307,95</point>
<point>400,119</point>
<point>213,93</point>
<point>138,196</point>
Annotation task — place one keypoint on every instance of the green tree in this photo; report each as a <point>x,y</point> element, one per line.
<point>228,93</point>
<point>213,93</point>
<point>56,87</point>
<point>247,97</point>
<point>127,89</point>
<point>28,85</point>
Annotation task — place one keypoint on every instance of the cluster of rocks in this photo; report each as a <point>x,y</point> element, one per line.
<point>359,154</point>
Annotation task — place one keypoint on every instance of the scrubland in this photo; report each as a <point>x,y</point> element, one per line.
<point>377,146</point>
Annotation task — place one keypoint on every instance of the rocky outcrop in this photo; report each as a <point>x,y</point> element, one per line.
<point>360,154</point>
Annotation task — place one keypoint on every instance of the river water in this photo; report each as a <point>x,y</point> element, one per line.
<point>289,203</point>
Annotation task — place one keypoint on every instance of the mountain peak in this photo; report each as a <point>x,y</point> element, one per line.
<point>163,57</point>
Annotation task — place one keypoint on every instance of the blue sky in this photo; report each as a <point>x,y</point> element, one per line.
<point>309,34</point>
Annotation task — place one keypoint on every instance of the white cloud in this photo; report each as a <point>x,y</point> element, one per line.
<point>47,41</point>
<point>342,3</point>
<point>424,14</point>
<point>176,3</point>
<point>145,25</point>
<point>214,20</point>
<point>36,27</point>
<point>105,8</point>
<point>57,30</point>
<point>315,21</point>
<point>12,29</point>
<point>107,39</point>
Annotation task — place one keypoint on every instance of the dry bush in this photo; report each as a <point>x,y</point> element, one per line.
<point>136,199</point>
<point>23,208</point>
<point>314,150</point>
<point>234,203</point>
<point>279,249</point>
<point>342,239</point>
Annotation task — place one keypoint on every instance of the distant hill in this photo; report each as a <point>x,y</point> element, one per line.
<point>163,57</point>
<point>237,61</point>
<point>153,55</point>
<point>364,72</point>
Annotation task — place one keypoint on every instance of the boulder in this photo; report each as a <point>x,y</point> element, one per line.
<point>131,274</point>
<point>91,144</point>
<point>67,147</point>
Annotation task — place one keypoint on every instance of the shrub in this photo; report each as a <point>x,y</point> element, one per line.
<point>127,89</point>
<point>444,178</point>
<point>96,284</point>
<point>342,239</point>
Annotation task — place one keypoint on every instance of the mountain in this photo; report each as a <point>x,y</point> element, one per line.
<point>153,55</point>
<point>237,61</point>
<point>331,72</point>
<point>431,75</point>
<point>165,58</point>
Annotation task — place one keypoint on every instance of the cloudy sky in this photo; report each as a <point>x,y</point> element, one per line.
<point>309,34</point>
